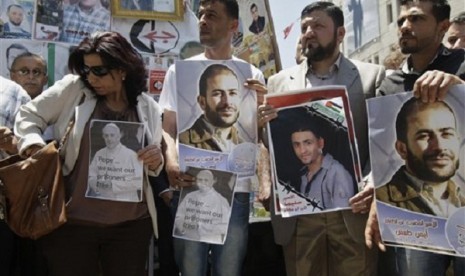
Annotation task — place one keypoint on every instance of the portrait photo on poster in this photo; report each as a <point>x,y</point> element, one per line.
<point>165,10</point>
<point>71,22</point>
<point>16,16</point>
<point>204,209</point>
<point>315,160</point>
<point>10,49</point>
<point>115,172</point>
<point>415,151</point>
<point>255,39</point>
<point>218,121</point>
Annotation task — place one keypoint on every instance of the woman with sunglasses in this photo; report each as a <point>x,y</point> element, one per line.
<point>109,237</point>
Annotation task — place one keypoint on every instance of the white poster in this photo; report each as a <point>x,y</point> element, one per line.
<point>115,172</point>
<point>416,151</point>
<point>204,209</point>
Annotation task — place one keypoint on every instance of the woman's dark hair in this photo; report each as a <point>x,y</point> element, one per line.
<point>115,52</point>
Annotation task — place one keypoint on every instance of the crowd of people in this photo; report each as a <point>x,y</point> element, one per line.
<point>108,83</point>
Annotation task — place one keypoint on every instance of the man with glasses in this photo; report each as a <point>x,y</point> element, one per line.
<point>30,71</point>
<point>12,96</point>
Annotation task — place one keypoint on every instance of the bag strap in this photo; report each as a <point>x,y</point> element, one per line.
<point>65,137</point>
<point>70,126</point>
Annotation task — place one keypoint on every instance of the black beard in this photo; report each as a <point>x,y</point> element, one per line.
<point>15,24</point>
<point>419,168</point>
<point>321,52</point>
<point>216,120</point>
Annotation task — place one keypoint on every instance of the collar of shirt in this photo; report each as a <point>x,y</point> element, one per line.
<point>439,191</point>
<point>15,29</point>
<point>327,161</point>
<point>86,12</point>
<point>437,196</point>
<point>407,67</point>
<point>314,80</point>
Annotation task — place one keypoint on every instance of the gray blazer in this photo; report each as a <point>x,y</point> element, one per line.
<point>362,80</point>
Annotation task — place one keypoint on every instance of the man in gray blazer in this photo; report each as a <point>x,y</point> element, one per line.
<point>330,243</point>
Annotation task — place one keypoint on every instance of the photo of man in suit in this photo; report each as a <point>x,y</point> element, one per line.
<point>428,142</point>
<point>219,98</point>
<point>258,23</point>
<point>322,178</point>
<point>12,28</point>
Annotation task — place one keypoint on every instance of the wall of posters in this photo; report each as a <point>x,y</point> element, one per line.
<point>415,152</point>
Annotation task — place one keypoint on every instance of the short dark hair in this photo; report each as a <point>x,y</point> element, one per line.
<point>115,52</point>
<point>210,71</point>
<point>459,19</point>
<point>312,127</point>
<point>231,7</point>
<point>409,107</point>
<point>16,46</point>
<point>329,8</point>
<point>29,54</point>
<point>440,9</point>
<point>253,6</point>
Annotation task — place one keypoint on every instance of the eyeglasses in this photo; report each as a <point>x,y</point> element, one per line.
<point>99,71</point>
<point>25,72</point>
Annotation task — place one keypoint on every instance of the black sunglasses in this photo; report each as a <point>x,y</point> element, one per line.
<point>98,71</point>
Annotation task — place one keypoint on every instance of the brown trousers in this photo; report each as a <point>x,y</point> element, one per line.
<point>322,246</point>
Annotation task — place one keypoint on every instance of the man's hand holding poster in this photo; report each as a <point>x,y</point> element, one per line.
<point>216,122</point>
<point>313,151</point>
<point>415,150</point>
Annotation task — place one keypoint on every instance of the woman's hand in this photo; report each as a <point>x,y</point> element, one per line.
<point>8,140</point>
<point>151,156</point>
<point>31,150</point>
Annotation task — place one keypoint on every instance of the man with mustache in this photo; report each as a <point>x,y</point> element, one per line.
<point>430,149</point>
<point>30,71</point>
<point>219,98</point>
<point>329,243</point>
<point>429,71</point>
<point>218,22</point>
